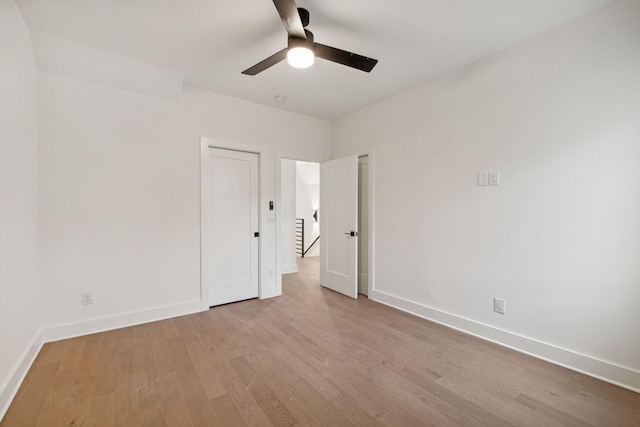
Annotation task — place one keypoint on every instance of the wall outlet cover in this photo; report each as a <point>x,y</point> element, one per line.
<point>87,298</point>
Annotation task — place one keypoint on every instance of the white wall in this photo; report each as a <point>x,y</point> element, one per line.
<point>19,291</point>
<point>307,201</point>
<point>559,238</point>
<point>287,214</point>
<point>120,195</point>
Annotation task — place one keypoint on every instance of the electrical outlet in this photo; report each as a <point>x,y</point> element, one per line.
<point>499,305</point>
<point>87,298</point>
<point>270,273</point>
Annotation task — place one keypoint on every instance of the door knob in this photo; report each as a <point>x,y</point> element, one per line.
<point>351,233</point>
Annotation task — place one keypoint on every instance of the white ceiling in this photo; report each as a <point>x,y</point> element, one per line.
<point>212,41</point>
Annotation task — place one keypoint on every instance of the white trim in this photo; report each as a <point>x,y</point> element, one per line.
<point>18,373</point>
<point>92,326</point>
<point>371,223</point>
<point>286,269</point>
<point>600,369</point>
<point>204,226</point>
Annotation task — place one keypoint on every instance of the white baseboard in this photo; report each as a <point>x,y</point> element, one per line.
<point>286,269</point>
<point>600,369</point>
<point>271,292</point>
<point>10,387</point>
<point>92,326</point>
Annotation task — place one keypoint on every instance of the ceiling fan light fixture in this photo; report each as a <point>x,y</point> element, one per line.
<point>300,57</point>
<point>301,49</point>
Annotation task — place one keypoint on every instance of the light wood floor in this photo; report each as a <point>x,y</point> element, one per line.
<point>311,357</point>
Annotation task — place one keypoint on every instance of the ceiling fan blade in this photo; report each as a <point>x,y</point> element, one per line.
<point>264,64</point>
<point>343,57</point>
<point>288,12</point>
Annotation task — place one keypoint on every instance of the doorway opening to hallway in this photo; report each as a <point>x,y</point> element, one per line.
<point>301,214</point>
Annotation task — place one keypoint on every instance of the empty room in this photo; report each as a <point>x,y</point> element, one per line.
<point>471,230</point>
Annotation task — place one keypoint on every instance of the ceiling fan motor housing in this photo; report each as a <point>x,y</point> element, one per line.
<point>298,42</point>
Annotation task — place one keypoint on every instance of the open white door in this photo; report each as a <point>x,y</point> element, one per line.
<point>233,225</point>
<point>339,225</point>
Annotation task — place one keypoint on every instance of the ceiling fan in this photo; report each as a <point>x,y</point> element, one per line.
<point>301,49</point>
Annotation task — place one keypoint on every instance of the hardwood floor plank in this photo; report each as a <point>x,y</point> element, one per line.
<point>564,418</point>
<point>174,404</point>
<point>454,406</point>
<point>102,411</point>
<point>126,391</point>
<point>356,412</point>
<point>270,403</point>
<point>303,400</point>
<point>281,345</point>
<point>107,369</point>
<point>496,402</point>
<point>209,379</point>
<point>247,405</point>
<point>226,412</point>
<point>372,395</point>
<point>195,399</point>
<point>281,405</point>
<point>27,405</point>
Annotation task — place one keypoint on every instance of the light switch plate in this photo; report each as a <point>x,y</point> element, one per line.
<point>483,179</point>
<point>494,177</point>
<point>271,216</point>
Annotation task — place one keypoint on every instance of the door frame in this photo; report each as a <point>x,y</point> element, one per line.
<point>370,153</point>
<point>205,171</point>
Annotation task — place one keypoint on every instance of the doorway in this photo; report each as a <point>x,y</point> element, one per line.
<point>293,210</point>
<point>299,212</point>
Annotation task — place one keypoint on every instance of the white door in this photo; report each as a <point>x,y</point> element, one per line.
<point>339,225</point>
<point>233,226</point>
